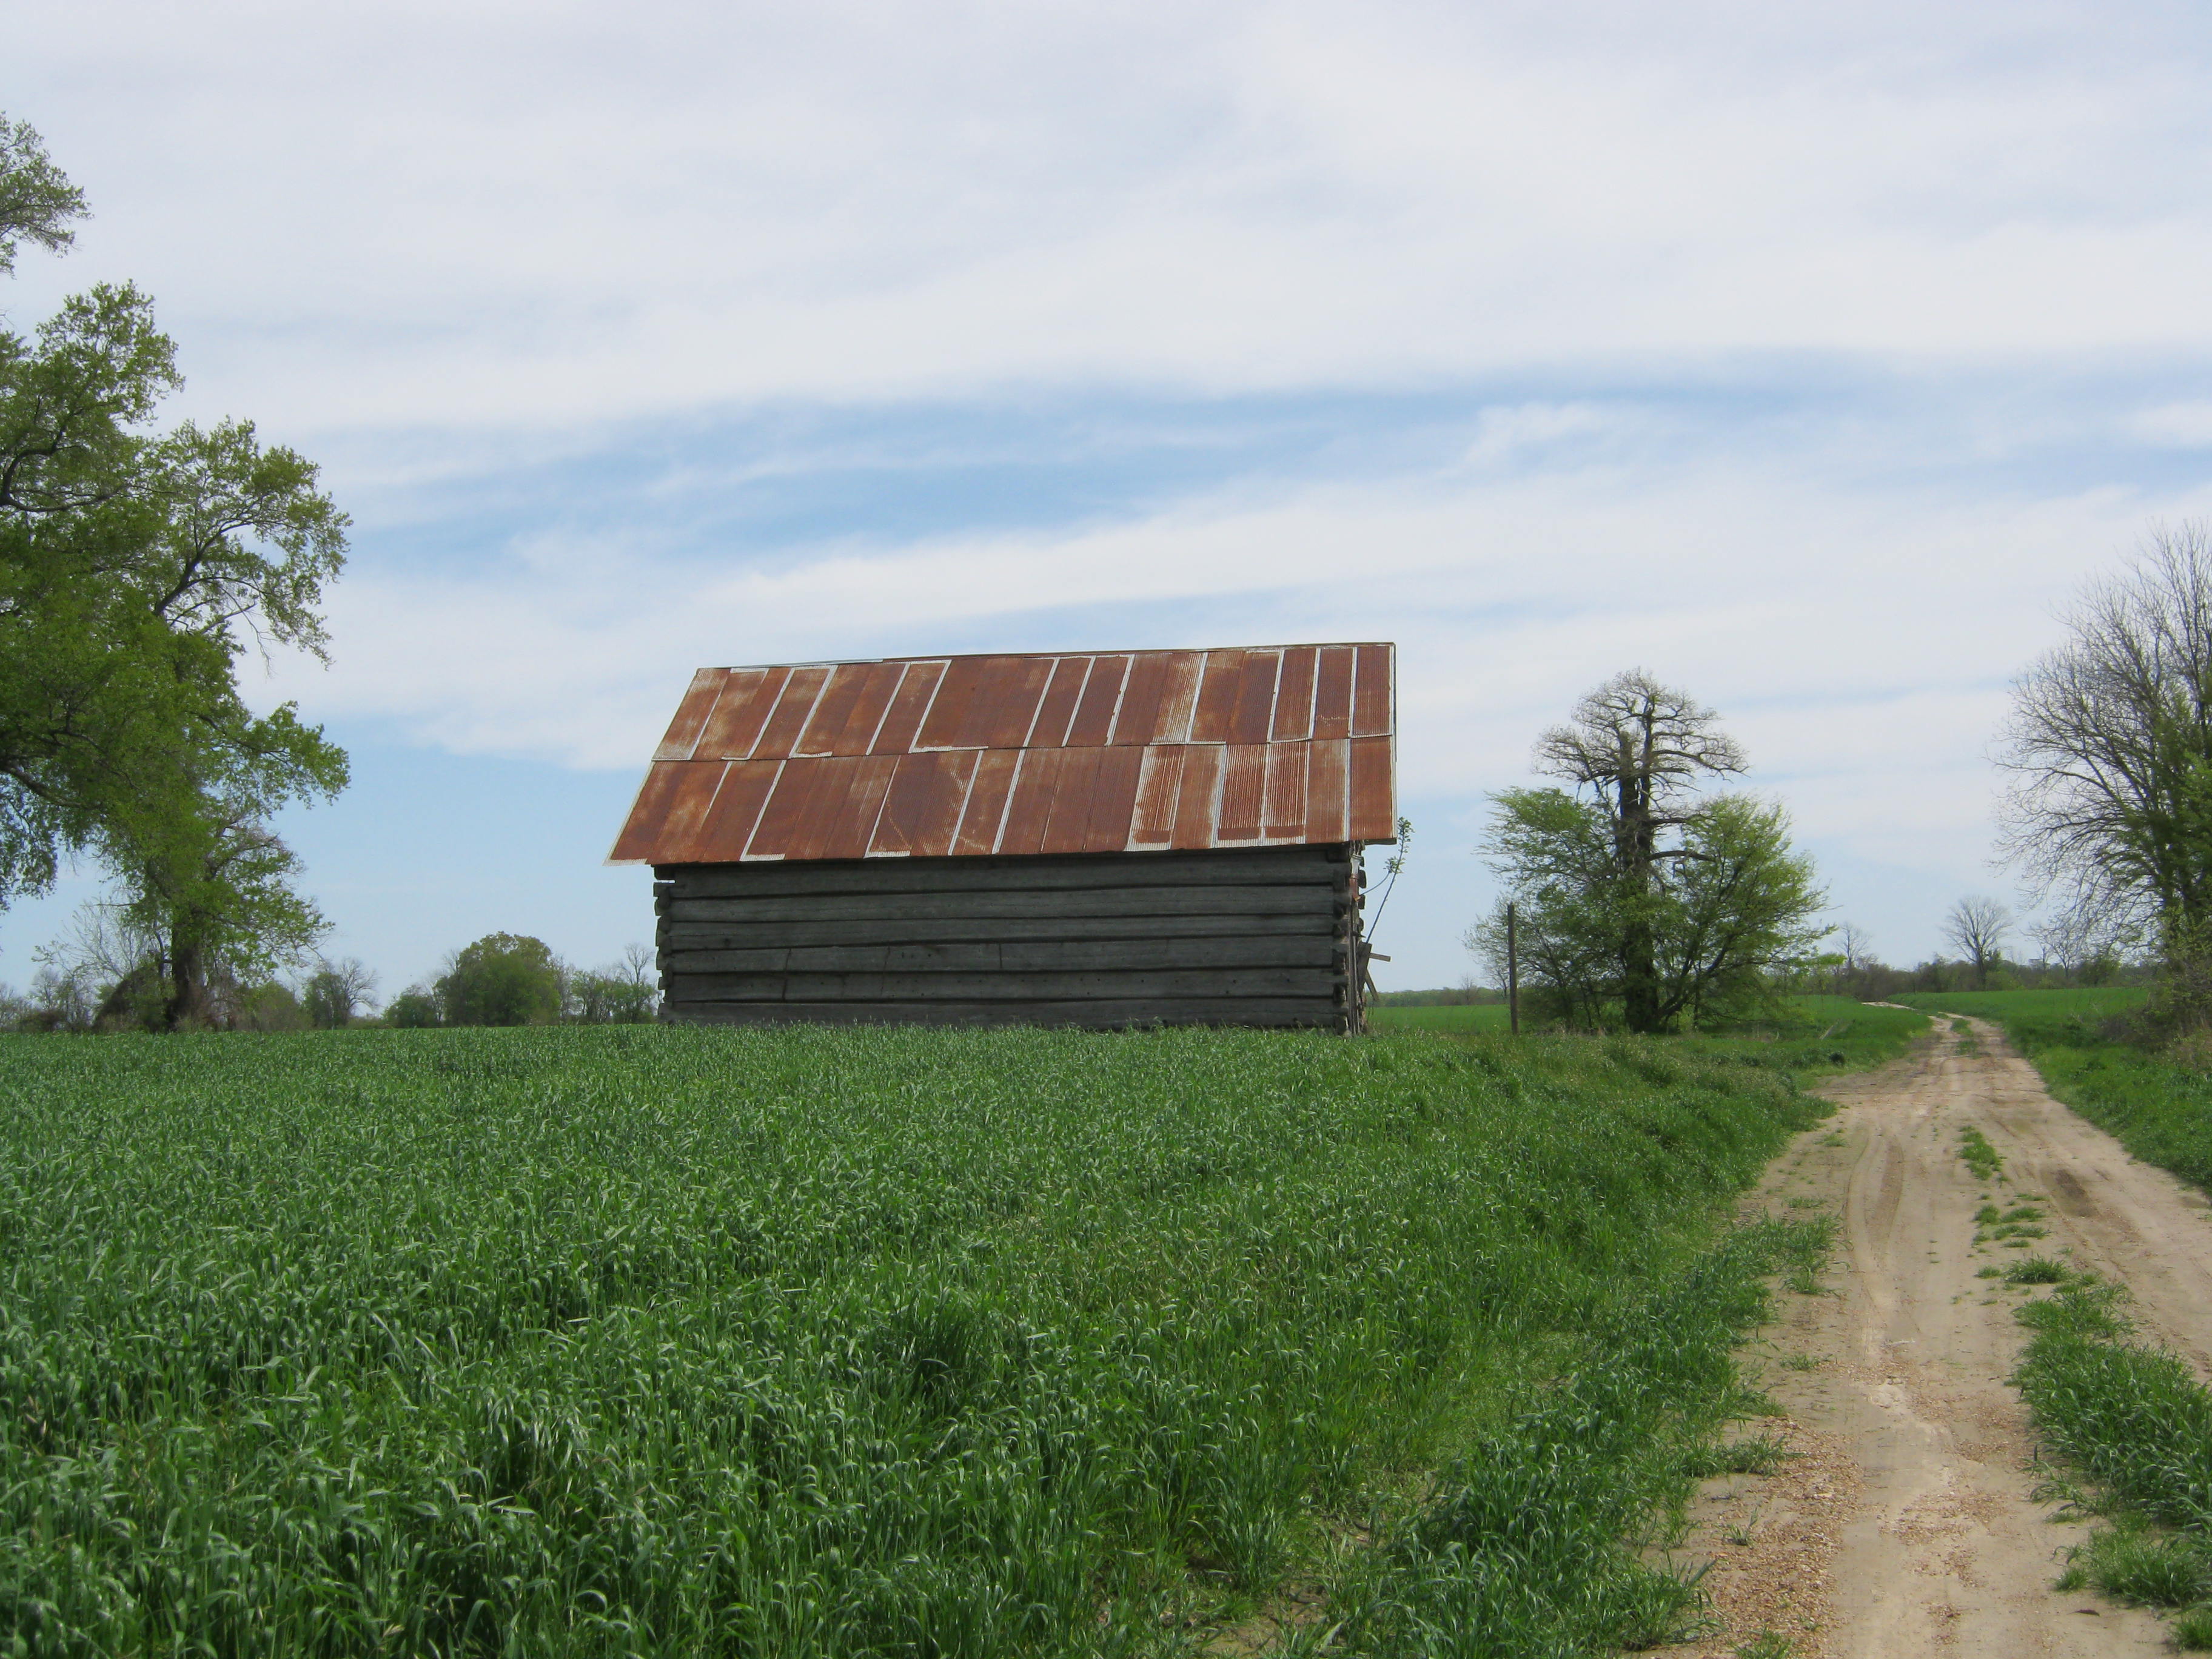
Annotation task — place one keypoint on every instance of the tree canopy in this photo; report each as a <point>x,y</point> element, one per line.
<point>38,203</point>
<point>1639,899</point>
<point>138,566</point>
<point>2109,743</point>
<point>503,979</point>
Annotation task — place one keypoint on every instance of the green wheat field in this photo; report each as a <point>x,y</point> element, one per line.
<point>610,1340</point>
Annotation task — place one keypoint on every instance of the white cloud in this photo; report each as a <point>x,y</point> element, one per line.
<point>1859,643</point>
<point>483,214</point>
<point>2174,426</point>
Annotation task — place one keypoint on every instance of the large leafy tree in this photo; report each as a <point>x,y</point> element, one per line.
<point>138,566</point>
<point>1640,898</point>
<point>503,979</point>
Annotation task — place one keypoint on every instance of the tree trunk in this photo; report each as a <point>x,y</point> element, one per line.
<point>1637,841</point>
<point>188,1004</point>
<point>1639,980</point>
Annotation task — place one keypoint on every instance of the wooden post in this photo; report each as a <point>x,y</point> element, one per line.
<point>1513,970</point>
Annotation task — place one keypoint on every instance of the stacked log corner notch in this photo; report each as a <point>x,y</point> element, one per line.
<point>1233,937</point>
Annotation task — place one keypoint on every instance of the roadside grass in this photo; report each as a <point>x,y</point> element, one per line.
<point>2135,1421</point>
<point>1814,1033</point>
<point>1819,1033</point>
<point>642,1340</point>
<point>1546,1502</point>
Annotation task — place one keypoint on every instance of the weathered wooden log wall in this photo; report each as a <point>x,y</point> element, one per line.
<point>1262,937</point>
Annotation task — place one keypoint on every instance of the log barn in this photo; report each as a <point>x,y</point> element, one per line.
<point>1102,840</point>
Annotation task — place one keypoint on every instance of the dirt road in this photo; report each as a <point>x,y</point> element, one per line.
<point>1907,1524</point>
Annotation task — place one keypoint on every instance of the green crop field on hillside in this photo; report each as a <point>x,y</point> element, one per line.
<point>828,1342</point>
<point>2051,1012</point>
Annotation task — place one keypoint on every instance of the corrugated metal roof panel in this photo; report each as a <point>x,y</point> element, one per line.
<point>1119,751</point>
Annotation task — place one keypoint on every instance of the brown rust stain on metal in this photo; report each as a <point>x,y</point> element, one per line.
<point>791,709</point>
<point>1220,680</point>
<point>748,696</point>
<point>1326,783</point>
<point>1140,698</point>
<point>1178,695</point>
<point>1254,712</point>
<point>927,758</point>
<point>902,721</point>
<point>1029,812</point>
<point>1101,695</point>
<point>1371,806</point>
<point>1002,716</point>
<point>1159,780</point>
<point>922,808</point>
<point>669,805</point>
<point>1371,694</point>
<point>844,830</point>
<point>982,820</point>
<point>692,714</point>
<point>1294,695</point>
<point>1114,798</point>
<point>946,725</point>
<point>1282,796</point>
<point>727,831</point>
<point>1198,806</point>
<point>1049,729</point>
<point>1067,807</point>
<point>1333,692</point>
<point>1243,776</point>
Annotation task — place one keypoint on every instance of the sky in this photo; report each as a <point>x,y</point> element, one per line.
<point>1811,359</point>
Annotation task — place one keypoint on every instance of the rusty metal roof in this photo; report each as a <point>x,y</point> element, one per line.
<point>1122,751</point>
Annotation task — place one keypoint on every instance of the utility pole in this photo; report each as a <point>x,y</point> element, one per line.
<point>1513,969</point>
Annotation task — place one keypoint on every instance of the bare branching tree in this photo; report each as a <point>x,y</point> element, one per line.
<point>2085,951</point>
<point>337,991</point>
<point>641,966</point>
<point>106,955</point>
<point>1855,944</point>
<point>1642,748</point>
<point>626,992</point>
<point>2110,748</point>
<point>1976,925</point>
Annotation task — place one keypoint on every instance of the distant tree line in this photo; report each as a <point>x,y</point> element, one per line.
<point>509,979</point>
<point>1977,926</point>
<point>105,977</point>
